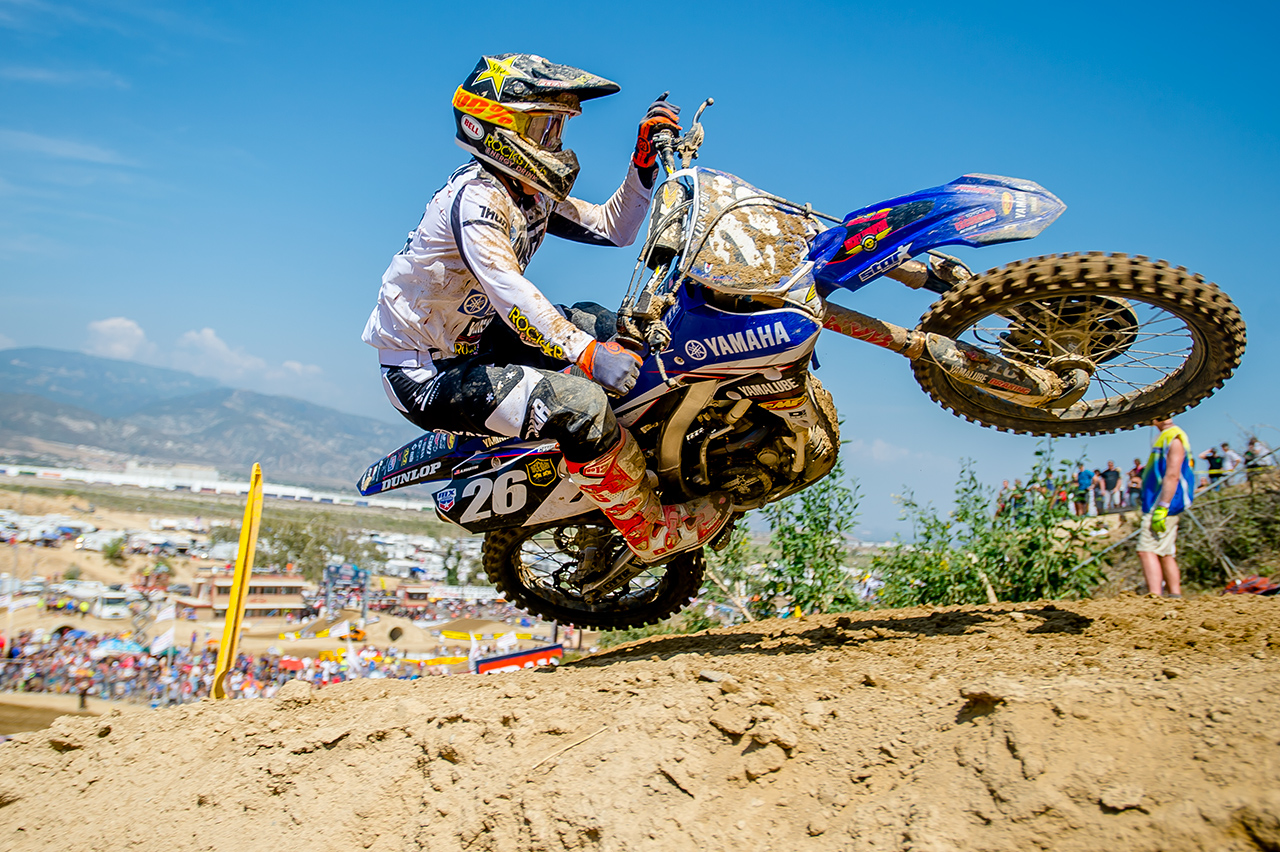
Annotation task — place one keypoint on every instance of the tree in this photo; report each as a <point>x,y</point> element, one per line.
<point>809,536</point>
<point>1024,548</point>
<point>736,578</point>
<point>312,542</point>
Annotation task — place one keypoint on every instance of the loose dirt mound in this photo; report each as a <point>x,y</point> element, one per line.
<point>1132,724</point>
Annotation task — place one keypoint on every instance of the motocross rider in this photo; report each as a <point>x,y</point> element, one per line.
<point>447,366</point>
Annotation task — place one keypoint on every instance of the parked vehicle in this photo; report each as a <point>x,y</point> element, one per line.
<point>110,605</point>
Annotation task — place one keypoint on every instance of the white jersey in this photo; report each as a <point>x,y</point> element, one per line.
<point>465,262</point>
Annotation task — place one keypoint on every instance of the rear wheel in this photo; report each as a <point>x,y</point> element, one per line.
<point>561,572</point>
<point>1155,340</point>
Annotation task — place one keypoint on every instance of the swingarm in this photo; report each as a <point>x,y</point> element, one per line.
<point>1024,384</point>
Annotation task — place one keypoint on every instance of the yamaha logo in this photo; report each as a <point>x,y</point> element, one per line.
<point>472,127</point>
<point>475,303</point>
<point>695,350</point>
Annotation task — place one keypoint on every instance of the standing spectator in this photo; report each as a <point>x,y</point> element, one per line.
<point>1233,464</point>
<point>1111,485</point>
<point>1258,459</point>
<point>1168,483</point>
<point>1099,493</point>
<point>1215,460</point>
<point>1135,482</point>
<point>1084,480</point>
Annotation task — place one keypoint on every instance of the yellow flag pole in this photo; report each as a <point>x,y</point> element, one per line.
<point>240,586</point>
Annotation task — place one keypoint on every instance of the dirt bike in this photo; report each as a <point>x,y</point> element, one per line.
<point>730,293</point>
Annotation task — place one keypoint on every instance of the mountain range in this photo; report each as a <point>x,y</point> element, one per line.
<point>68,406</point>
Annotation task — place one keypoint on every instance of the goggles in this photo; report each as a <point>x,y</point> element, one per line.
<point>540,125</point>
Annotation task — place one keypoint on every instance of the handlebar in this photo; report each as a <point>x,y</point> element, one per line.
<point>687,145</point>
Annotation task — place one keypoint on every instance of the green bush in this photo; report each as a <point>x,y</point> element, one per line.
<point>113,551</point>
<point>1024,547</point>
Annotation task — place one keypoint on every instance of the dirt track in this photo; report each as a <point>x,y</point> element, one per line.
<point>1126,724</point>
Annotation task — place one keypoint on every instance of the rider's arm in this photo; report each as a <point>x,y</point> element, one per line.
<point>614,223</point>
<point>1172,472</point>
<point>480,229</point>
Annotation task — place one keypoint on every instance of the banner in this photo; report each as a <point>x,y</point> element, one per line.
<point>337,631</point>
<point>168,612</point>
<point>163,642</point>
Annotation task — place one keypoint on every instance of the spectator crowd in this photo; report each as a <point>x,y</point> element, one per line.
<point>1098,490</point>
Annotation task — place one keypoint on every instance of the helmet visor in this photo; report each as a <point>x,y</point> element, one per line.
<point>545,128</point>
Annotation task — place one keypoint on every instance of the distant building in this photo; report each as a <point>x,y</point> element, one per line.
<point>270,595</point>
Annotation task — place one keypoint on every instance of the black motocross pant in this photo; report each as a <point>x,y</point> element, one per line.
<point>510,389</point>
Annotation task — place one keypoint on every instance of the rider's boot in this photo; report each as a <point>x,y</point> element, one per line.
<point>617,483</point>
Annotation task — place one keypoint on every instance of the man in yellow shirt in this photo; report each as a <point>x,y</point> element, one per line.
<point>1168,483</point>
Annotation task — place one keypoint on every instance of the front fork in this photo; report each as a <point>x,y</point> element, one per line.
<point>1021,383</point>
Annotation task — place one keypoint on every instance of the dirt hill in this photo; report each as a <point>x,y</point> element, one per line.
<point>1126,724</point>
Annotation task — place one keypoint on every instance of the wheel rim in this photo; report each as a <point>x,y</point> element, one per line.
<point>1129,346</point>
<point>558,564</point>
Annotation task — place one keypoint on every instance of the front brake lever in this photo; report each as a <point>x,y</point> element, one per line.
<point>690,143</point>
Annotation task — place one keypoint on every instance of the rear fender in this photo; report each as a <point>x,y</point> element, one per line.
<point>973,210</point>
<point>424,459</point>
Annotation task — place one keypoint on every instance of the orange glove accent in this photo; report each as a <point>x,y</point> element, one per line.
<point>610,365</point>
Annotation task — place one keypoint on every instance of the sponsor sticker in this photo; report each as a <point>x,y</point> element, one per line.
<point>481,107</point>
<point>695,350</point>
<point>541,471</point>
<point>472,127</point>
<point>446,498</point>
<point>533,335</point>
<point>965,223</point>
<point>1006,203</point>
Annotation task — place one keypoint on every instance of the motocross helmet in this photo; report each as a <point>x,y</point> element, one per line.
<point>511,112</point>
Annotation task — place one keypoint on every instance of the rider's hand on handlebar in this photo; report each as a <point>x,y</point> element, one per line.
<point>661,116</point>
<point>610,365</point>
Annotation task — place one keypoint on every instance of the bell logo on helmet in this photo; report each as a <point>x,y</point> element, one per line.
<point>471,127</point>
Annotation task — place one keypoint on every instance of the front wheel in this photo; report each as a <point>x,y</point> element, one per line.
<point>560,572</point>
<point>1154,339</point>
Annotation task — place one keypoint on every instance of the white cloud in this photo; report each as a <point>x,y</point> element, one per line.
<point>60,149</point>
<point>120,338</point>
<point>879,451</point>
<point>206,354</point>
<point>294,368</point>
<point>49,76</point>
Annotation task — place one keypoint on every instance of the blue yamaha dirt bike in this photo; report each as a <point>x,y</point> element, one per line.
<point>731,290</point>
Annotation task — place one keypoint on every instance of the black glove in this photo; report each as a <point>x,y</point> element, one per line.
<point>610,365</point>
<point>661,115</point>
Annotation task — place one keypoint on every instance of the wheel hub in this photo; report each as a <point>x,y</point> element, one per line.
<point>1075,333</point>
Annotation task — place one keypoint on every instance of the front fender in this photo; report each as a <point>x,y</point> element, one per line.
<point>973,210</point>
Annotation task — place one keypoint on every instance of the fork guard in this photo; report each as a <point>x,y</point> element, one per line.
<point>1026,385</point>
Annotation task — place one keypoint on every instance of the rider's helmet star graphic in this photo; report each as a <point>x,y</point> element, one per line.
<point>498,72</point>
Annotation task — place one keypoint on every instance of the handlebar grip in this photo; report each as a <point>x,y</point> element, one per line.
<point>664,142</point>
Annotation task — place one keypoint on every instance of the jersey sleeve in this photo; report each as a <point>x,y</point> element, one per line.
<point>480,223</point>
<point>614,223</point>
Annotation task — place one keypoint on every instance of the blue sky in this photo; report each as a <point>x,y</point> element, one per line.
<point>218,187</point>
